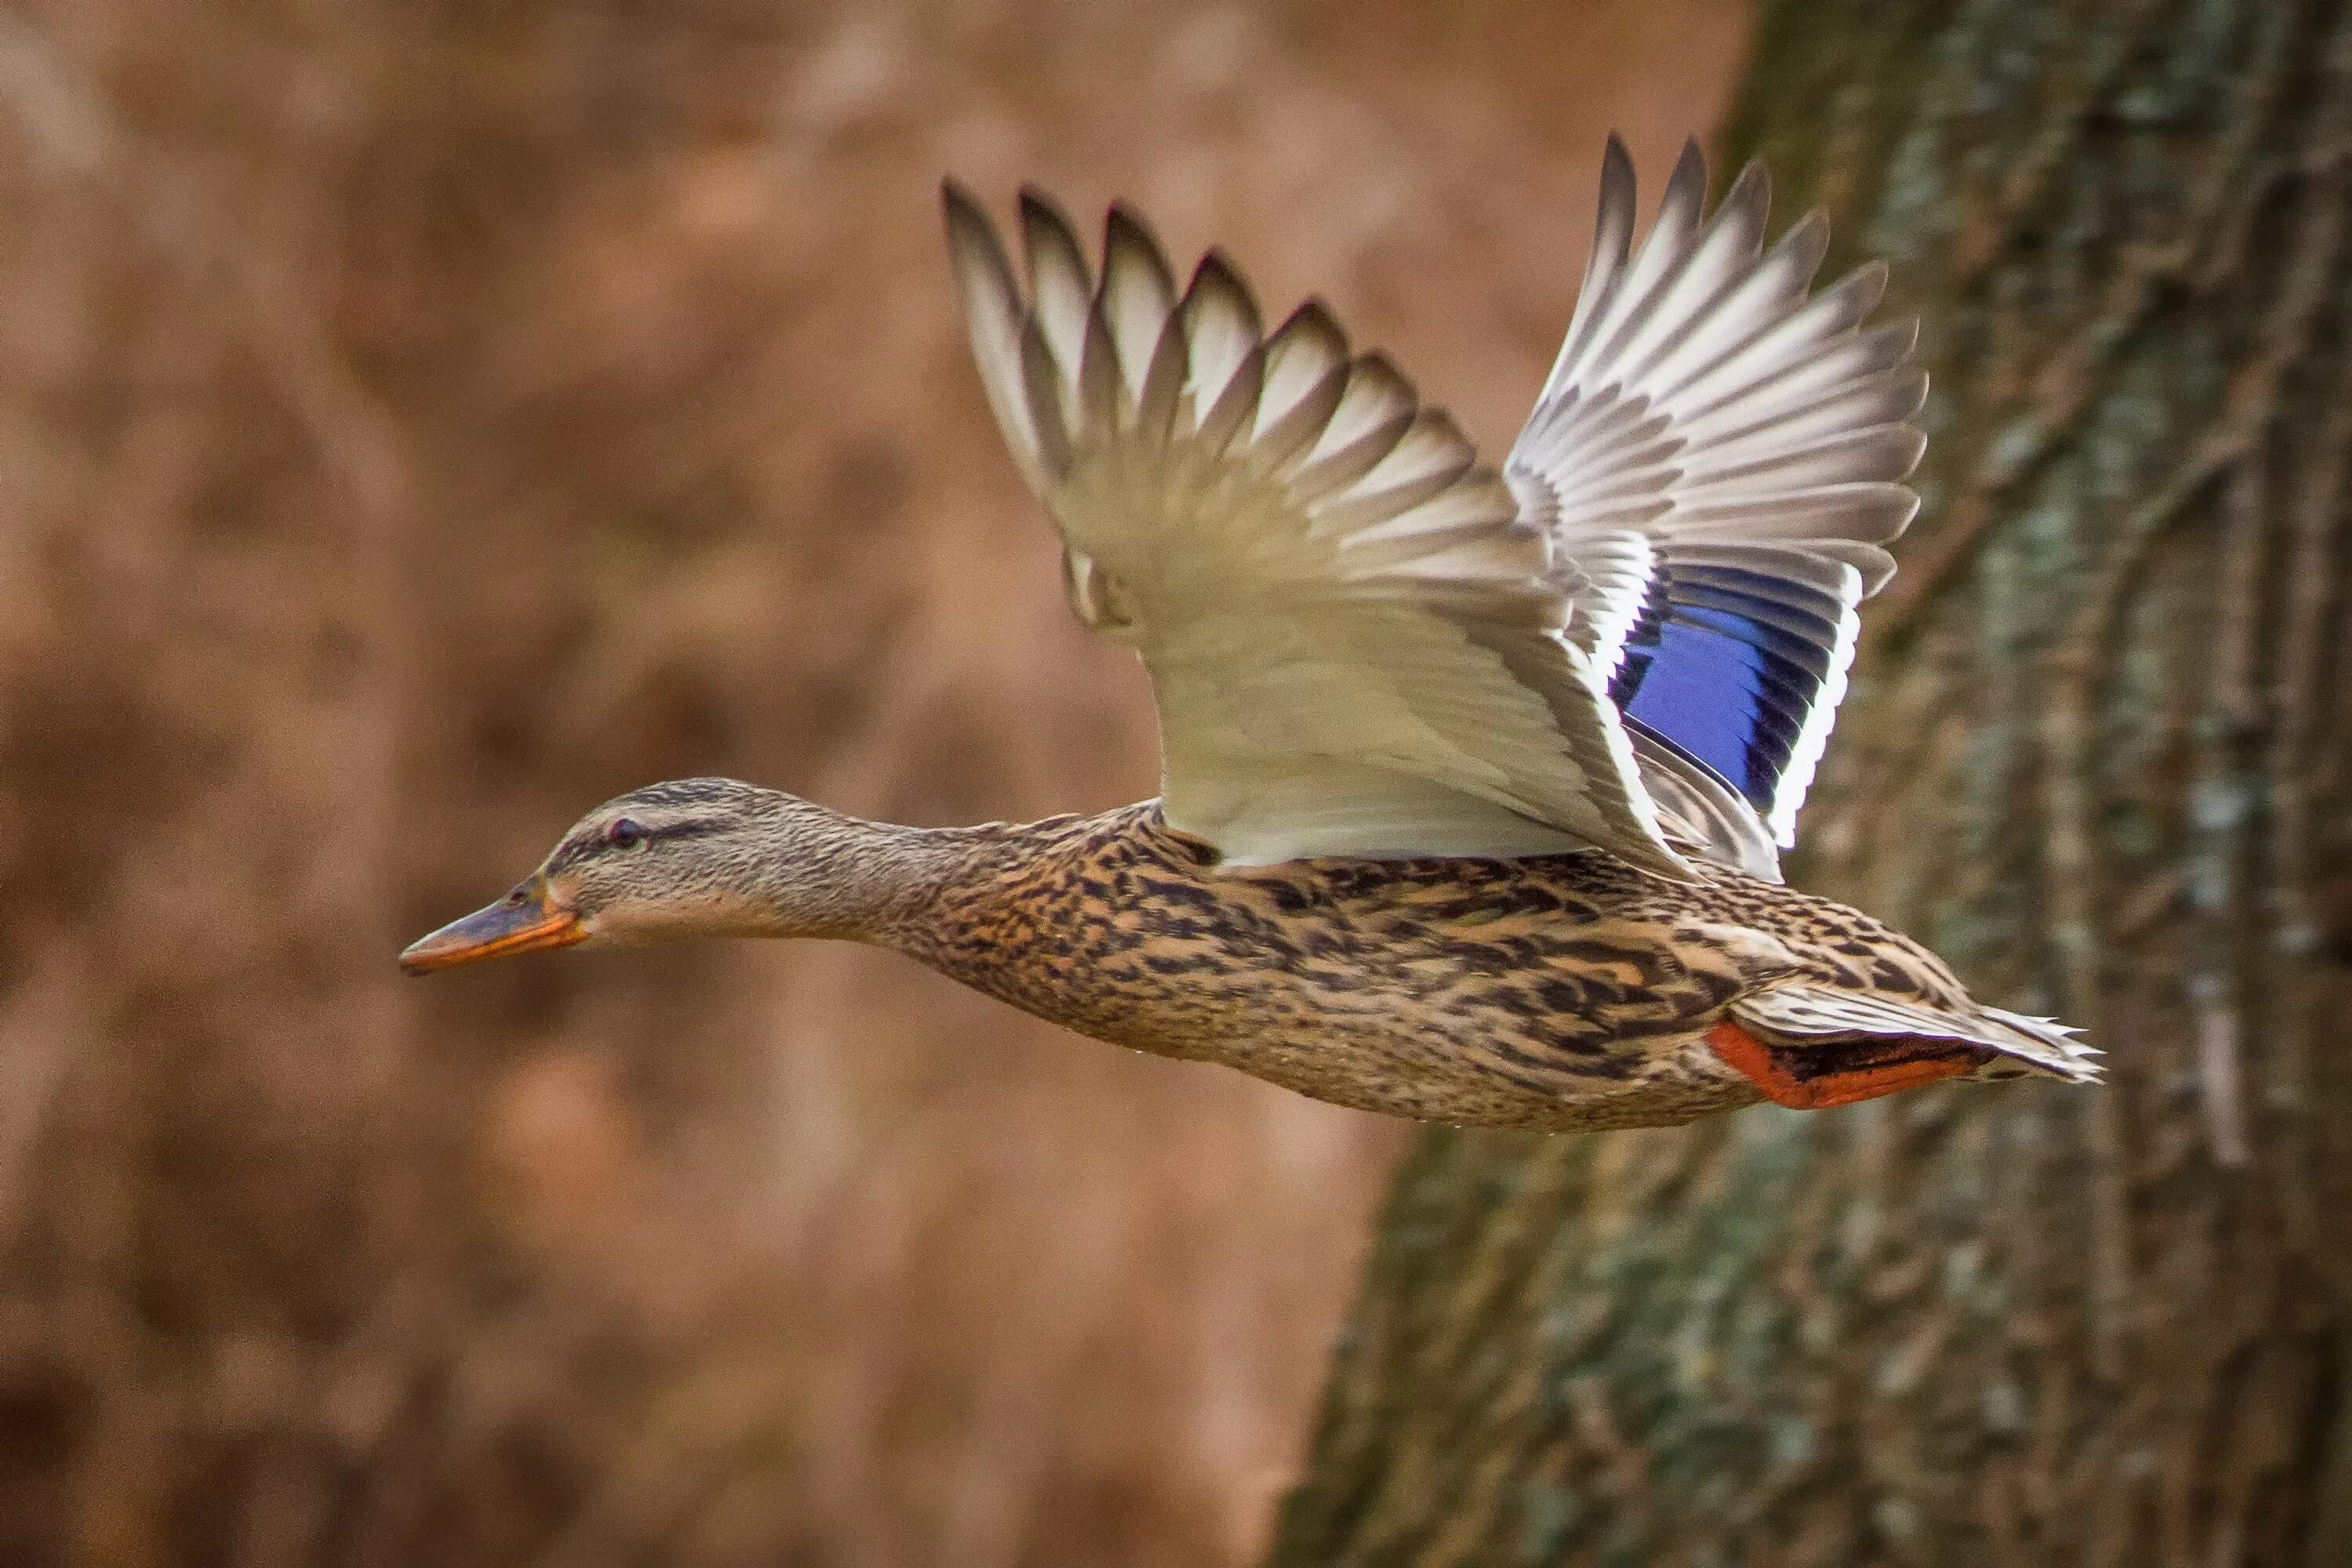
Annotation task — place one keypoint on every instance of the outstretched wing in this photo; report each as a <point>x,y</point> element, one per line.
<point>1354,637</point>
<point>1720,454</point>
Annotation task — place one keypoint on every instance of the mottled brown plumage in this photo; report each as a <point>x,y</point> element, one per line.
<point>1555,992</point>
<point>1472,780</point>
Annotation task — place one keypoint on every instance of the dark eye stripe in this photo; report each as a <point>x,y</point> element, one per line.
<point>596,843</point>
<point>688,830</point>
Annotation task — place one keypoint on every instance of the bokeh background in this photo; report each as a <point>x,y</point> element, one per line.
<point>419,421</point>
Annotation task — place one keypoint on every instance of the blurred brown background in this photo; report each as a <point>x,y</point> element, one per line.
<point>421,421</point>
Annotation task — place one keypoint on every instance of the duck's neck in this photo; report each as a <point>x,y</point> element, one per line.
<point>876,882</point>
<point>1029,914</point>
<point>1002,909</point>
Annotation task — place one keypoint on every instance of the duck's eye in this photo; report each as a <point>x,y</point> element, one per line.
<point>624,835</point>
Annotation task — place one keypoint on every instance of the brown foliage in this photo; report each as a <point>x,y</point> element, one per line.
<point>419,422</point>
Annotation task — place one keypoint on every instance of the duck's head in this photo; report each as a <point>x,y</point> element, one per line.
<point>692,857</point>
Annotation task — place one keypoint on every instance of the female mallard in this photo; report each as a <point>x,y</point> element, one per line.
<point>1471,781</point>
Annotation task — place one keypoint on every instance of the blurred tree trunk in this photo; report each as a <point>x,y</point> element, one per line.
<point>2096,753</point>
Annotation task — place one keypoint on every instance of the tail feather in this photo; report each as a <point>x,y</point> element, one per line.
<point>2047,1043</point>
<point>1799,1015</point>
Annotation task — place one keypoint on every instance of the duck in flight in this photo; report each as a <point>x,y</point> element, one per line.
<point>1473,781</point>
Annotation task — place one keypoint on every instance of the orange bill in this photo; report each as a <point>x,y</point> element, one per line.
<point>1816,1079</point>
<point>519,923</point>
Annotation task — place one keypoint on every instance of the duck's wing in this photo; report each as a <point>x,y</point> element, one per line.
<point>1720,453</point>
<point>1353,636</point>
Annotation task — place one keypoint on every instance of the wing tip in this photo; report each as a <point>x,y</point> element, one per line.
<point>1750,193</point>
<point>971,234</point>
<point>1045,228</point>
<point>1868,283</point>
<point>1034,198</point>
<point>1121,217</point>
<point>1687,184</point>
<point>1127,233</point>
<point>1617,180</point>
<point>1311,319</point>
<point>1807,242</point>
<point>1216,277</point>
<point>957,198</point>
